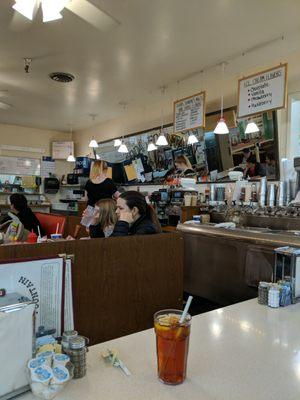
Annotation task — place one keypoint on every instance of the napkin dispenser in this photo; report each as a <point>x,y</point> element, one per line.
<point>17,336</point>
<point>287,268</point>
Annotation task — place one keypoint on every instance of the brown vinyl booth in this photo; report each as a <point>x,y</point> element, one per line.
<point>118,283</point>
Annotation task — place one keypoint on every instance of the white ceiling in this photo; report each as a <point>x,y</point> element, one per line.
<point>158,42</point>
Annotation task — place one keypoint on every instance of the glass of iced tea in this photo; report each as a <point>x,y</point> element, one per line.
<point>172,345</point>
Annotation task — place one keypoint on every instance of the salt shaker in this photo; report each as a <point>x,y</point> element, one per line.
<point>77,353</point>
<point>273,297</point>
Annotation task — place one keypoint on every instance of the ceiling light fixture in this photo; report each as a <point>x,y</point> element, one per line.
<point>123,148</point>
<point>192,139</point>
<point>162,141</point>
<point>151,146</point>
<point>93,144</point>
<point>117,142</point>
<point>25,7</point>
<point>221,127</point>
<point>251,127</point>
<point>51,8</point>
<point>71,158</point>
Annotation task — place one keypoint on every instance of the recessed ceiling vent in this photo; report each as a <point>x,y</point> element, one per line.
<point>61,77</point>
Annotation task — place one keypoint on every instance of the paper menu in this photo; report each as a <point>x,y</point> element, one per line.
<point>130,172</point>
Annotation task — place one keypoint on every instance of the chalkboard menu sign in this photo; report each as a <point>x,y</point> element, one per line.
<point>263,91</point>
<point>189,113</point>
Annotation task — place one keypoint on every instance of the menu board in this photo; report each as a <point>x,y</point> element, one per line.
<point>263,91</point>
<point>62,150</point>
<point>189,113</point>
<point>20,166</point>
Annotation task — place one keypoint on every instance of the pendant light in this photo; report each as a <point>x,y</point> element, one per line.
<point>71,158</point>
<point>117,142</point>
<point>221,128</point>
<point>251,127</point>
<point>162,141</point>
<point>151,146</point>
<point>93,144</point>
<point>123,148</point>
<point>192,139</point>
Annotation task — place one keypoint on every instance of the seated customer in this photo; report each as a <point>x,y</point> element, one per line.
<point>19,206</point>
<point>135,216</point>
<point>254,169</point>
<point>104,220</point>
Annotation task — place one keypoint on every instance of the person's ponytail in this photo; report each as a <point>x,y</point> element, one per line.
<point>151,214</point>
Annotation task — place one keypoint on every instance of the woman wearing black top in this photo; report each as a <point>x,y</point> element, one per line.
<point>99,186</point>
<point>135,216</point>
<point>19,206</point>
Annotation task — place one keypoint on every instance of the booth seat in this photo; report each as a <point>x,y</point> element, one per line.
<point>49,223</point>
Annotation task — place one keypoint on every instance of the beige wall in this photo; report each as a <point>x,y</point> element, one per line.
<point>144,117</point>
<point>31,137</point>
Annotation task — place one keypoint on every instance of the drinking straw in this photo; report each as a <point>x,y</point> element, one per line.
<point>186,309</point>
<point>57,228</point>
<point>39,231</point>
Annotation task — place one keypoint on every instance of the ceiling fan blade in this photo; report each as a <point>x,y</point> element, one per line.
<point>19,23</point>
<point>93,15</point>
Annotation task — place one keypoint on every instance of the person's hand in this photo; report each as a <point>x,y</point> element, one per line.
<point>70,238</point>
<point>126,216</point>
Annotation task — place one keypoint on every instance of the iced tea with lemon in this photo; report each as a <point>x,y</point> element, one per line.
<point>172,345</point>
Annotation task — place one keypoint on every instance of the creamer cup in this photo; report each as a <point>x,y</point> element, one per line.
<point>41,378</point>
<point>60,360</point>
<point>48,355</point>
<point>60,376</point>
<point>35,363</point>
<point>56,236</point>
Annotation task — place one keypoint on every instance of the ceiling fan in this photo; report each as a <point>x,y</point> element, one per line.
<point>52,10</point>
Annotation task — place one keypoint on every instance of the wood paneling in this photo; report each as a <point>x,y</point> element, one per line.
<point>118,283</point>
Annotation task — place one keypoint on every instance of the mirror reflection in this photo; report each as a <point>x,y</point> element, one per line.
<point>249,151</point>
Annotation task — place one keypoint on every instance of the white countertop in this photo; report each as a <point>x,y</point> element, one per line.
<point>241,352</point>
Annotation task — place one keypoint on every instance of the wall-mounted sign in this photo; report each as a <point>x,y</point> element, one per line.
<point>263,91</point>
<point>61,150</point>
<point>189,113</point>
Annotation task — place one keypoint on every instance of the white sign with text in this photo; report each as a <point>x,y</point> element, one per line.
<point>189,113</point>
<point>262,92</point>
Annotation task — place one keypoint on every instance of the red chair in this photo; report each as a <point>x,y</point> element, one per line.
<point>49,223</point>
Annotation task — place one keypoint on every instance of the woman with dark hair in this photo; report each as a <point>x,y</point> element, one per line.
<point>135,216</point>
<point>19,206</point>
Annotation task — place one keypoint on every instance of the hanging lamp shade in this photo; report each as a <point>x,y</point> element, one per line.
<point>117,142</point>
<point>151,146</point>
<point>162,140</point>
<point>221,128</point>
<point>71,158</point>
<point>93,144</point>
<point>251,127</point>
<point>192,139</point>
<point>123,148</point>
